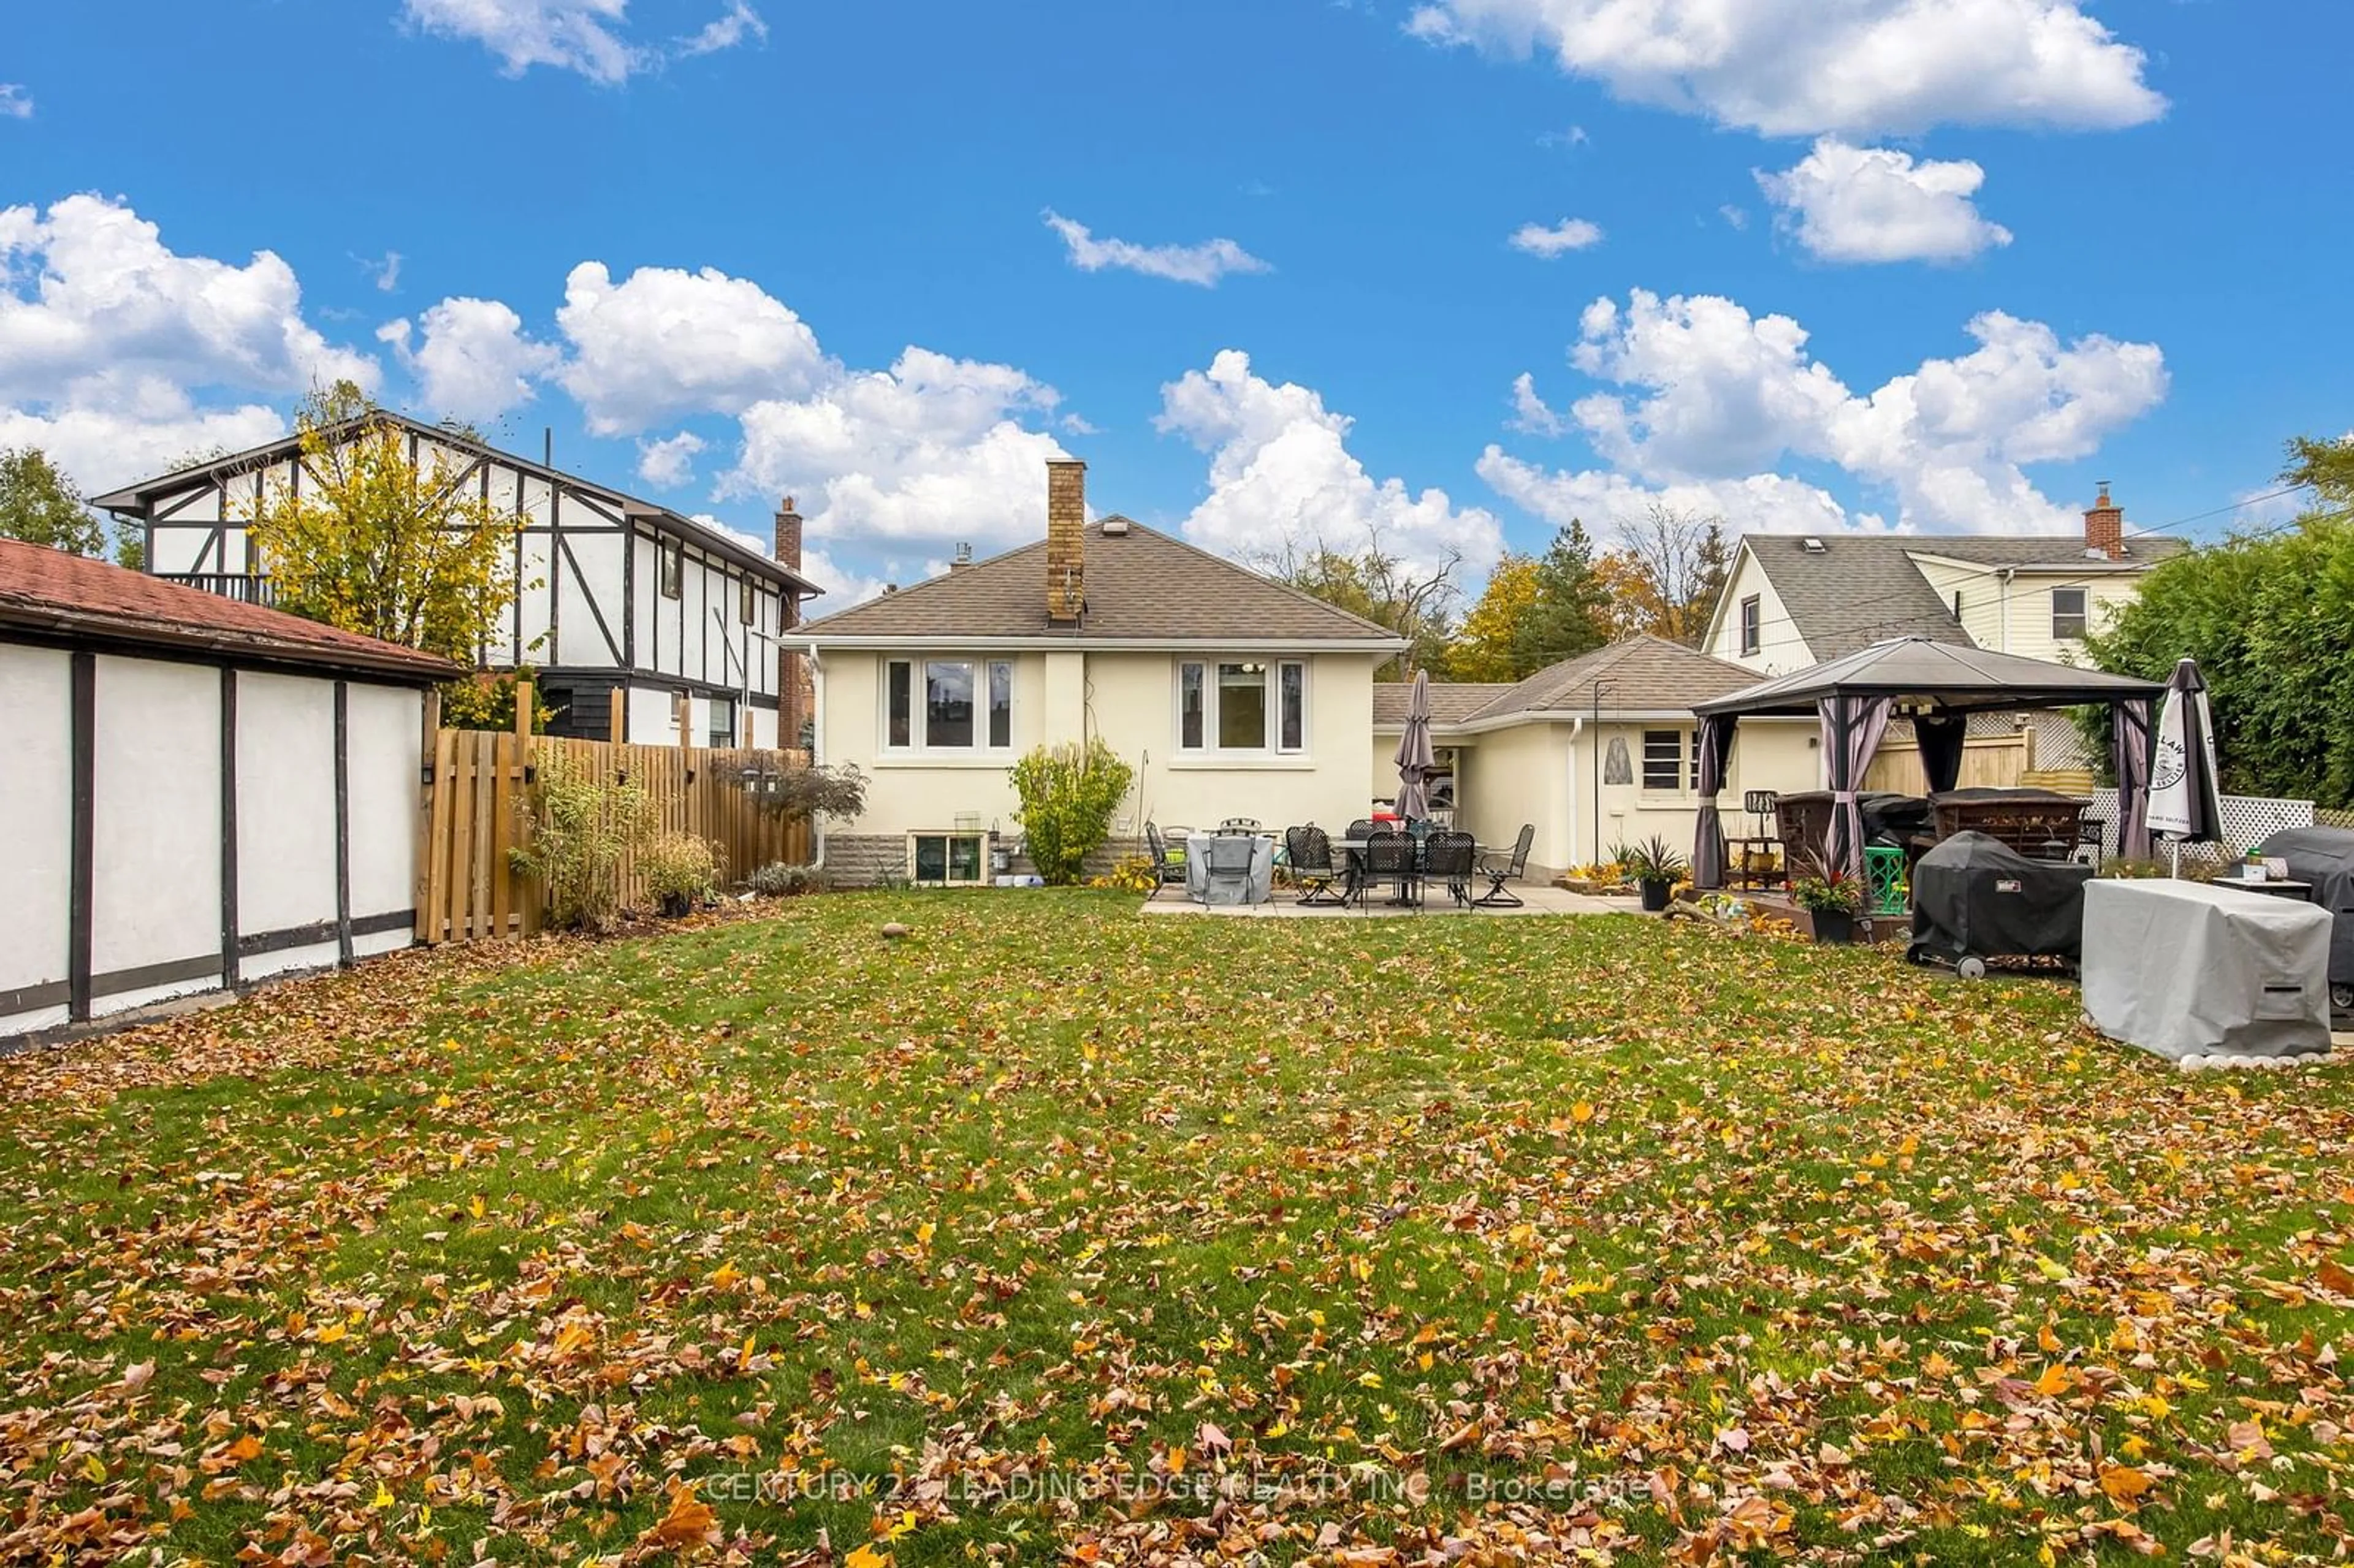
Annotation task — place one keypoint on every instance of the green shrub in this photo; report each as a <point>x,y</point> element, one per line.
<point>580,827</point>
<point>780,880</point>
<point>1069,794</point>
<point>681,870</point>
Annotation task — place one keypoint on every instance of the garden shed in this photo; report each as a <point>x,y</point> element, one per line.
<point>198,793</point>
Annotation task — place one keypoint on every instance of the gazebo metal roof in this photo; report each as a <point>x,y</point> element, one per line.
<point>1956,678</point>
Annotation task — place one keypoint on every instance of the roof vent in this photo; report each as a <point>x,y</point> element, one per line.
<point>1115,527</point>
<point>963,559</point>
<point>1811,544</point>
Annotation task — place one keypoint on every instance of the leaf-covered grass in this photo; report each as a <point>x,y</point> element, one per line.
<point>1056,1232</point>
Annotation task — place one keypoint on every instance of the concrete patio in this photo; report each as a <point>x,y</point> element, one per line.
<point>1286,905</point>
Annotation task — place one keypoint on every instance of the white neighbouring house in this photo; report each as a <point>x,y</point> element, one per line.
<point>615,593</point>
<point>1231,694</point>
<point>1794,600</point>
<point>198,792</point>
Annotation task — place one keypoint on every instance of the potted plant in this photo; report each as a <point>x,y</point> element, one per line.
<point>1655,868</point>
<point>1832,899</point>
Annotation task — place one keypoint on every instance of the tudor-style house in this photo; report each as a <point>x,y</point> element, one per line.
<point>1230,695</point>
<point>617,595</point>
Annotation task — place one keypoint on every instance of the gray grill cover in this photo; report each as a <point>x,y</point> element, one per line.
<point>2183,968</point>
<point>2324,857</point>
<point>1973,895</point>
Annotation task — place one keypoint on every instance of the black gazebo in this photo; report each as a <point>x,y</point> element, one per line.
<point>1938,685</point>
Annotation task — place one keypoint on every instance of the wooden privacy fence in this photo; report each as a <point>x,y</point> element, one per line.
<point>472,816</point>
<point>1988,762</point>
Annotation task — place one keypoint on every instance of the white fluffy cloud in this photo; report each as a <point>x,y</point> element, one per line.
<point>1790,68</point>
<point>932,450</point>
<point>666,341</point>
<point>1281,476</point>
<point>669,463</point>
<point>16,103</point>
<point>1765,503</point>
<point>589,37</point>
<point>1204,264</point>
<point>475,362</point>
<point>1570,234</point>
<point>1846,203</point>
<point>1715,394</point>
<point>117,354</point>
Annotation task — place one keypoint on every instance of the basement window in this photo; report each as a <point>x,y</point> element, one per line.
<point>948,860</point>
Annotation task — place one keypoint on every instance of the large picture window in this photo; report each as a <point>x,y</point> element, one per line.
<point>1242,705</point>
<point>948,704</point>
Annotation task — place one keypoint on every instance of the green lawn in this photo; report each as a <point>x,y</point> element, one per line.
<point>1057,1231</point>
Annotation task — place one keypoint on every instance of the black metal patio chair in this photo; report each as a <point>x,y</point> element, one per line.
<point>1309,852</point>
<point>1514,869</point>
<point>1448,859</point>
<point>1392,858</point>
<point>1166,868</point>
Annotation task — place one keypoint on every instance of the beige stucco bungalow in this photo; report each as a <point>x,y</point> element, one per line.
<point>1231,696</point>
<point>1593,752</point>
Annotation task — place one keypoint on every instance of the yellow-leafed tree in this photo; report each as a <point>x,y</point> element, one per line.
<point>1488,644</point>
<point>375,543</point>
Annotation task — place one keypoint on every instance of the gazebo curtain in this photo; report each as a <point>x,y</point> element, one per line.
<point>2129,747</point>
<point>1940,735</point>
<point>1708,838</point>
<point>1852,730</point>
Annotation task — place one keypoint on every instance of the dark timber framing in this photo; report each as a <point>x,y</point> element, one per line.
<point>228,825</point>
<point>83,873</point>
<point>343,823</point>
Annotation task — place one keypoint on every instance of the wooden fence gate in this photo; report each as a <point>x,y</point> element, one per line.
<point>472,816</point>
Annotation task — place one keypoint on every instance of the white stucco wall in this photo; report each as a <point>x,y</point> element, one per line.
<point>383,728</point>
<point>1129,700</point>
<point>36,803</point>
<point>285,815</point>
<point>155,869</point>
<point>155,824</point>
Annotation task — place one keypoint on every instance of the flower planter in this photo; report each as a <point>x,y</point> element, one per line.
<point>1655,895</point>
<point>1832,928</point>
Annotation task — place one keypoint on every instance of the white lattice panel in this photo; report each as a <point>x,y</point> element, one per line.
<point>2248,820</point>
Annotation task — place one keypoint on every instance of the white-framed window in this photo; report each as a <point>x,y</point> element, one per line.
<point>1242,705</point>
<point>1667,762</point>
<point>722,724</point>
<point>1752,624</point>
<point>2068,609</point>
<point>948,704</point>
<point>948,859</point>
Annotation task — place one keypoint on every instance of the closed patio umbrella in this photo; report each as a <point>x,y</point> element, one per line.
<point>1415,757</point>
<point>2186,795</point>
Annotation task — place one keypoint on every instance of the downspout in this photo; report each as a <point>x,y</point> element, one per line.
<point>1569,838</point>
<point>817,742</point>
<point>2008,573</point>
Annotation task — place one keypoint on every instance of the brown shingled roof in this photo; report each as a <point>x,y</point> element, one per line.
<point>1142,586</point>
<point>1641,673</point>
<point>50,592</point>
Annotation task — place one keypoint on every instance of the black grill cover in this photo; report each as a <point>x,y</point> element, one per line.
<point>1893,818</point>
<point>2324,857</point>
<point>1973,895</point>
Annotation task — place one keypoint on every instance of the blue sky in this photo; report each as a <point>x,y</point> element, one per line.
<point>1879,263</point>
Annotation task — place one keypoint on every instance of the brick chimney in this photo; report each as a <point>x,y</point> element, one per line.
<point>788,535</point>
<point>2105,528</point>
<point>1066,534</point>
<point>795,693</point>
